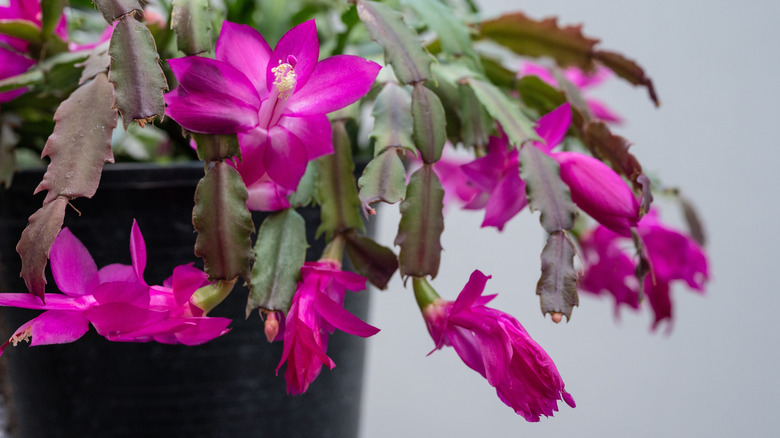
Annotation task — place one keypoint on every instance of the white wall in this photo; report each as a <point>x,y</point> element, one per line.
<point>715,66</point>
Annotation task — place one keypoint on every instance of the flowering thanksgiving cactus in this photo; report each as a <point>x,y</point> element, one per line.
<point>443,106</point>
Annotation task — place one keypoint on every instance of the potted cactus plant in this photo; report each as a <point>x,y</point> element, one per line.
<point>249,118</point>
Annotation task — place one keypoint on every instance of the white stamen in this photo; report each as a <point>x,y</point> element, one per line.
<point>285,79</point>
<point>24,335</point>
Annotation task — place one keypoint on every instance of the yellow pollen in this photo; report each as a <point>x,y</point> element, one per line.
<point>284,78</point>
<point>24,335</point>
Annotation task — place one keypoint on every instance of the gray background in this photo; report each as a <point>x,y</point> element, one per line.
<point>715,66</point>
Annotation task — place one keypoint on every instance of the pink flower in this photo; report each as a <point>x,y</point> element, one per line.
<point>115,300</point>
<point>275,100</point>
<point>12,64</point>
<point>594,186</point>
<point>581,80</point>
<point>497,177</point>
<point>496,345</point>
<point>30,11</point>
<point>672,256</point>
<point>316,311</point>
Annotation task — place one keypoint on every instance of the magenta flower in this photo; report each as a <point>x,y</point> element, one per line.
<point>30,11</point>
<point>595,187</point>
<point>115,300</point>
<point>496,345</point>
<point>497,177</point>
<point>581,80</point>
<point>672,256</point>
<point>12,64</point>
<point>275,100</point>
<point>316,311</point>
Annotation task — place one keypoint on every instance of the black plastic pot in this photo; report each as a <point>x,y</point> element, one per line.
<point>225,388</point>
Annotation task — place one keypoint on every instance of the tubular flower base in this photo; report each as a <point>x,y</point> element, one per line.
<point>115,300</point>
<point>275,100</point>
<point>672,256</point>
<point>496,345</point>
<point>316,312</point>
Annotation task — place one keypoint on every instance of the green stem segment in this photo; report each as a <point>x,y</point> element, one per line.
<point>424,292</point>
<point>208,297</point>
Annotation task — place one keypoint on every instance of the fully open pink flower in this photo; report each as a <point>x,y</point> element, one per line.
<point>672,254</point>
<point>580,79</point>
<point>115,300</point>
<point>316,312</point>
<point>275,100</point>
<point>496,345</point>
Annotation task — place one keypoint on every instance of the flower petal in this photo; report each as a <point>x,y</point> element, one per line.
<point>471,291</point>
<point>203,330</point>
<point>186,280</point>
<point>552,127</point>
<point>301,43</point>
<point>335,83</point>
<point>599,191</point>
<point>133,293</point>
<point>253,144</point>
<point>266,195</point>
<point>213,97</point>
<point>117,272</point>
<point>12,64</point>
<point>72,266</point>
<point>507,199</point>
<point>338,317</point>
<point>137,251</point>
<point>314,131</point>
<point>284,158</point>
<point>58,327</point>
<point>244,48</point>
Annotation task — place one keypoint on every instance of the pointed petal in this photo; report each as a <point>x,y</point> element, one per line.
<point>301,43</point>
<point>244,48</point>
<point>53,301</point>
<point>253,144</point>
<point>338,317</point>
<point>335,83</point>
<point>117,272</point>
<point>506,201</point>
<point>12,64</point>
<point>673,255</point>
<point>599,191</point>
<point>203,330</point>
<point>314,131</point>
<point>186,280</point>
<point>530,68</point>
<point>266,195</point>
<point>121,317</point>
<point>58,327</point>
<point>72,266</point>
<point>471,291</point>
<point>603,112</point>
<point>133,293</point>
<point>137,251</point>
<point>284,158</point>
<point>552,127</point>
<point>212,97</point>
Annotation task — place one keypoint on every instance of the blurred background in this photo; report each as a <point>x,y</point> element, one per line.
<point>716,67</point>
